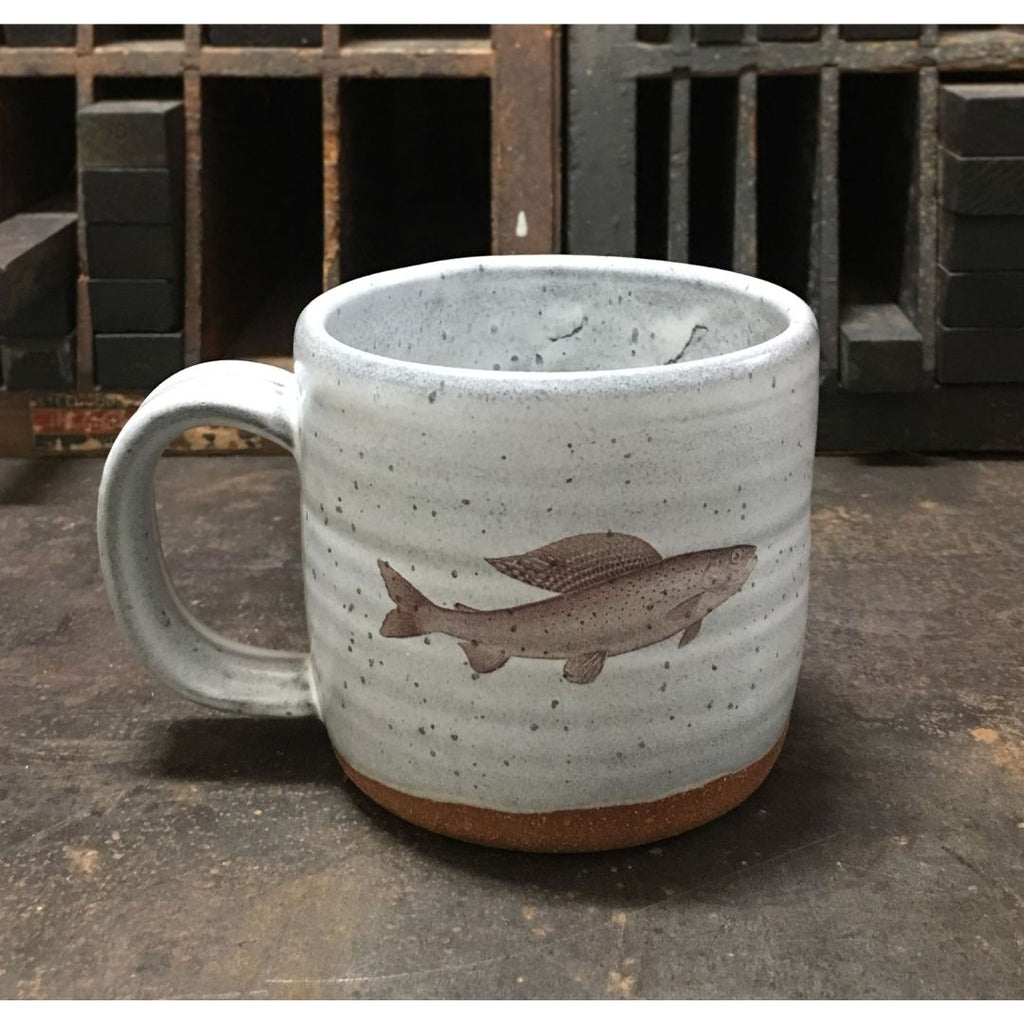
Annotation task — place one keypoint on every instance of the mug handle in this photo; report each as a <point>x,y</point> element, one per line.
<point>192,659</point>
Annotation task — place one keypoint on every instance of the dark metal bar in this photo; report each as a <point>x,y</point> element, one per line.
<point>193,325</point>
<point>744,238</point>
<point>679,170</point>
<point>925,210</point>
<point>826,218</point>
<point>84,95</point>
<point>602,144</point>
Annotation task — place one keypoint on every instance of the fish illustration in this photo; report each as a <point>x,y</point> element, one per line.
<point>614,593</point>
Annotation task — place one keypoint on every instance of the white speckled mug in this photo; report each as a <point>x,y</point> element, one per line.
<point>555,540</point>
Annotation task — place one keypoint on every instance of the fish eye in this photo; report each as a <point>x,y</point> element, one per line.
<point>735,556</point>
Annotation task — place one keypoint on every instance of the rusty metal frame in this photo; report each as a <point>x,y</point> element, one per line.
<point>523,63</point>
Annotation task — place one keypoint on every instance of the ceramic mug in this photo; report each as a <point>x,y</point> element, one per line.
<point>555,533</point>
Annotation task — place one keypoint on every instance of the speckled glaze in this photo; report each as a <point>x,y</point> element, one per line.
<point>586,452</point>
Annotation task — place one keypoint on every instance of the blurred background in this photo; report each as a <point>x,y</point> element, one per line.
<point>176,193</point>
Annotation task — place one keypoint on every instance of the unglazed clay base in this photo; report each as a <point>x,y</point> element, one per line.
<point>576,831</point>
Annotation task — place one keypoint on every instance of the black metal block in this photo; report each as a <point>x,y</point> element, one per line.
<point>37,255</point>
<point>138,195</point>
<point>137,361</point>
<point>264,35</point>
<point>969,355</point>
<point>50,314</point>
<point>983,118</point>
<point>983,185</point>
<point>134,250</point>
<point>981,243</point>
<point>981,299</point>
<point>38,363</point>
<point>728,34</point>
<point>866,32</point>
<point>40,35</point>
<point>131,133</point>
<point>122,306</point>
<point>788,33</point>
<point>880,350</point>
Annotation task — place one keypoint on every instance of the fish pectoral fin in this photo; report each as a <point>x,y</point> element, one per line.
<point>459,606</point>
<point>684,612</point>
<point>576,563</point>
<point>690,633</point>
<point>484,659</point>
<point>584,668</point>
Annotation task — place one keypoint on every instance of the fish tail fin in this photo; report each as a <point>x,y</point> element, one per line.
<point>405,619</point>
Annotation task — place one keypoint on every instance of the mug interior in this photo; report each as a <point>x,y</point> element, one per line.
<point>559,314</point>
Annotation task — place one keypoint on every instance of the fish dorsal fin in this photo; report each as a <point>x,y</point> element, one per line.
<point>576,563</point>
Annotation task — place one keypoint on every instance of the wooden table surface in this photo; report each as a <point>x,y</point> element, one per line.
<point>151,848</point>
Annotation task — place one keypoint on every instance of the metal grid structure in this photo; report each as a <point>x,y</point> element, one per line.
<point>804,154</point>
<point>512,72</point>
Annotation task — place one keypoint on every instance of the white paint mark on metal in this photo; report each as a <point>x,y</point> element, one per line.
<point>521,227</point>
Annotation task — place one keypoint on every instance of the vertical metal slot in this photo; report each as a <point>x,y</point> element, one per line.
<point>713,110</point>
<point>787,130</point>
<point>261,212</point>
<point>415,180</point>
<point>876,140</point>
<point>653,105</point>
<point>880,347</point>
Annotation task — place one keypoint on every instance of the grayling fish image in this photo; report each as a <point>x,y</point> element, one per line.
<point>613,594</point>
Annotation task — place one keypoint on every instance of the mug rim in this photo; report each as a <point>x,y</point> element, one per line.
<point>801,325</point>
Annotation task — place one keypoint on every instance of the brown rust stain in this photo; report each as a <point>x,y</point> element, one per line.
<point>1007,747</point>
<point>85,862</point>
<point>331,264</point>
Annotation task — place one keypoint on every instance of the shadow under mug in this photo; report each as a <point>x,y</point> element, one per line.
<point>555,531</point>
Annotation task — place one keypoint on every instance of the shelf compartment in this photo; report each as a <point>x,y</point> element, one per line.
<point>263,35</point>
<point>364,33</point>
<point>130,35</point>
<point>653,131</point>
<point>406,198</point>
<point>787,132</point>
<point>876,142</point>
<point>37,142</point>
<point>39,35</point>
<point>713,117</point>
<point>262,193</point>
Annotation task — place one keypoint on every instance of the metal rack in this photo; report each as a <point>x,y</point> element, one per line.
<point>810,161</point>
<point>804,154</point>
<point>511,72</point>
